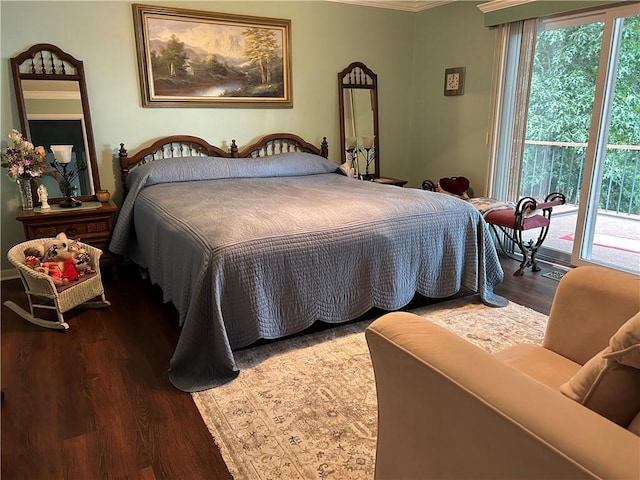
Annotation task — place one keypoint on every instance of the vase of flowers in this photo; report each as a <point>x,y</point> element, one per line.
<point>23,163</point>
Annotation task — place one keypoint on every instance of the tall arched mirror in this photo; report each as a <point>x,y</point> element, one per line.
<point>54,110</point>
<point>358,101</point>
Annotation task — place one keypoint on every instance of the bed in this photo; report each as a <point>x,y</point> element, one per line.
<point>261,242</point>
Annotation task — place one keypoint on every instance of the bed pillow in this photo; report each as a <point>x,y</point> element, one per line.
<point>291,164</point>
<point>609,383</point>
<point>184,169</point>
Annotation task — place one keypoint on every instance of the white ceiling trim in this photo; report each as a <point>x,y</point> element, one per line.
<point>406,5</point>
<point>494,5</point>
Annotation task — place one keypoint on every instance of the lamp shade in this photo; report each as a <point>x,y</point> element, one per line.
<point>62,153</point>
<point>350,142</point>
<point>367,142</point>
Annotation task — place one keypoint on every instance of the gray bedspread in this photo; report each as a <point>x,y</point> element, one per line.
<point>259,249</point>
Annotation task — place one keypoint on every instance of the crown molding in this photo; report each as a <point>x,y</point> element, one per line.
<point>405,5</point>
<point>494,5</point>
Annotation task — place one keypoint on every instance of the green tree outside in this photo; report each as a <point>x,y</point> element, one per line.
<point>561,101</point>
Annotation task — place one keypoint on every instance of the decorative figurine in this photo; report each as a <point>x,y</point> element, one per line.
<point>43,196</point>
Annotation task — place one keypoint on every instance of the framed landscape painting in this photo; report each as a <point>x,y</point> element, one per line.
<point>189,58</point>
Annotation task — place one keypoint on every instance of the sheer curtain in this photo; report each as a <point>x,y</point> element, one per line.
<point>513,61</point>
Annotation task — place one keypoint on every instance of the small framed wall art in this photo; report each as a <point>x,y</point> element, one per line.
<point>454,81</point>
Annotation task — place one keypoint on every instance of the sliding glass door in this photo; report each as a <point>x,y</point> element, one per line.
<point>583,136</point>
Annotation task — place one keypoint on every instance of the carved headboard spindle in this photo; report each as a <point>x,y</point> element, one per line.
<point>124,164</point>
<point>176,146</point>
<point>53,65</point>
<point>234,148</point>
<point>44,68</point>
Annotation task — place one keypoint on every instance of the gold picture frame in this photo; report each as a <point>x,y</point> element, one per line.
<point>189,58</point>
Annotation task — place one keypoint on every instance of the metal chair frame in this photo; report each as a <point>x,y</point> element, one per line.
<point>523,221</point>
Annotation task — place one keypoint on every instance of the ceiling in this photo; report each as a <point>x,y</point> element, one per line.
<point>407,5</point>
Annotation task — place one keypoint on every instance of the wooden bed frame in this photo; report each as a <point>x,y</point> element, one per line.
<point>175,146</point>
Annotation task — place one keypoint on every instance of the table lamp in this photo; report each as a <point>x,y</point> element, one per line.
<point>62,155</point>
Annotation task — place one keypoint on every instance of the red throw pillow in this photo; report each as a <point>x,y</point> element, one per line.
<point>455,185</point>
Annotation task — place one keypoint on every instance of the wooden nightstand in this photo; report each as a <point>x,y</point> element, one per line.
<point>92,223</point>
<point>390,181</point>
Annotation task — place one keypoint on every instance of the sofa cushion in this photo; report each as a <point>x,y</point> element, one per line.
<point>544,365</point>
<point>634,426</point>
<point>609,383</point>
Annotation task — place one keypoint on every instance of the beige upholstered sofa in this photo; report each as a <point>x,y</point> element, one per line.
<point>448,409</point>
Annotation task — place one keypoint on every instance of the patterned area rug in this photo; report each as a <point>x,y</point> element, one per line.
<point>305,407</point>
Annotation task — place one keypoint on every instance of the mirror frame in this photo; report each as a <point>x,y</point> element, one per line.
<point>358,76</point>
<point>48,62</point>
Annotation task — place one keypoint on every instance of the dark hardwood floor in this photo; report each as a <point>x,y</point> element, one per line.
<point>95,401</point>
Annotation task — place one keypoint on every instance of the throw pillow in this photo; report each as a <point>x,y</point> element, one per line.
<point>609,383</point>
<point>625,344</point>
<point>455,185</point>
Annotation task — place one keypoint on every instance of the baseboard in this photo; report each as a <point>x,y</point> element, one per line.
<point>10,274</point>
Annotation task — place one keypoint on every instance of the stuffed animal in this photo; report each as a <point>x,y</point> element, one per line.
<point>33,263</point>
<point>69,271</point>
<point>54,270</point>
<point>59,254</point>
<point>48,248</point>
<point>53,258</point>
<point>53,248</point>
<point>81,258</point>
<point>61,269</point>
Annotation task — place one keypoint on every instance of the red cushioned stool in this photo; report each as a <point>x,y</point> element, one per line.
<point>512,222</point>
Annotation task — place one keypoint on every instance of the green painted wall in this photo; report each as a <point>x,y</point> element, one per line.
<point>326,37</point>
<point>449,134</point>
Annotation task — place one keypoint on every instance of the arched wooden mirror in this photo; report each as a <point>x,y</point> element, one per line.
<point>358,100</point>
<point>54,110</point>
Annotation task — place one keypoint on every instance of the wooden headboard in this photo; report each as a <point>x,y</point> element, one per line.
<point>176,146</point>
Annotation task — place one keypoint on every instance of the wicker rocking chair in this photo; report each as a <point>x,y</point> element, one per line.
<point>42,292</point>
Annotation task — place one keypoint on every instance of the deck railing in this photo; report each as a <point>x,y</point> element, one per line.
<point>559,167</point>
